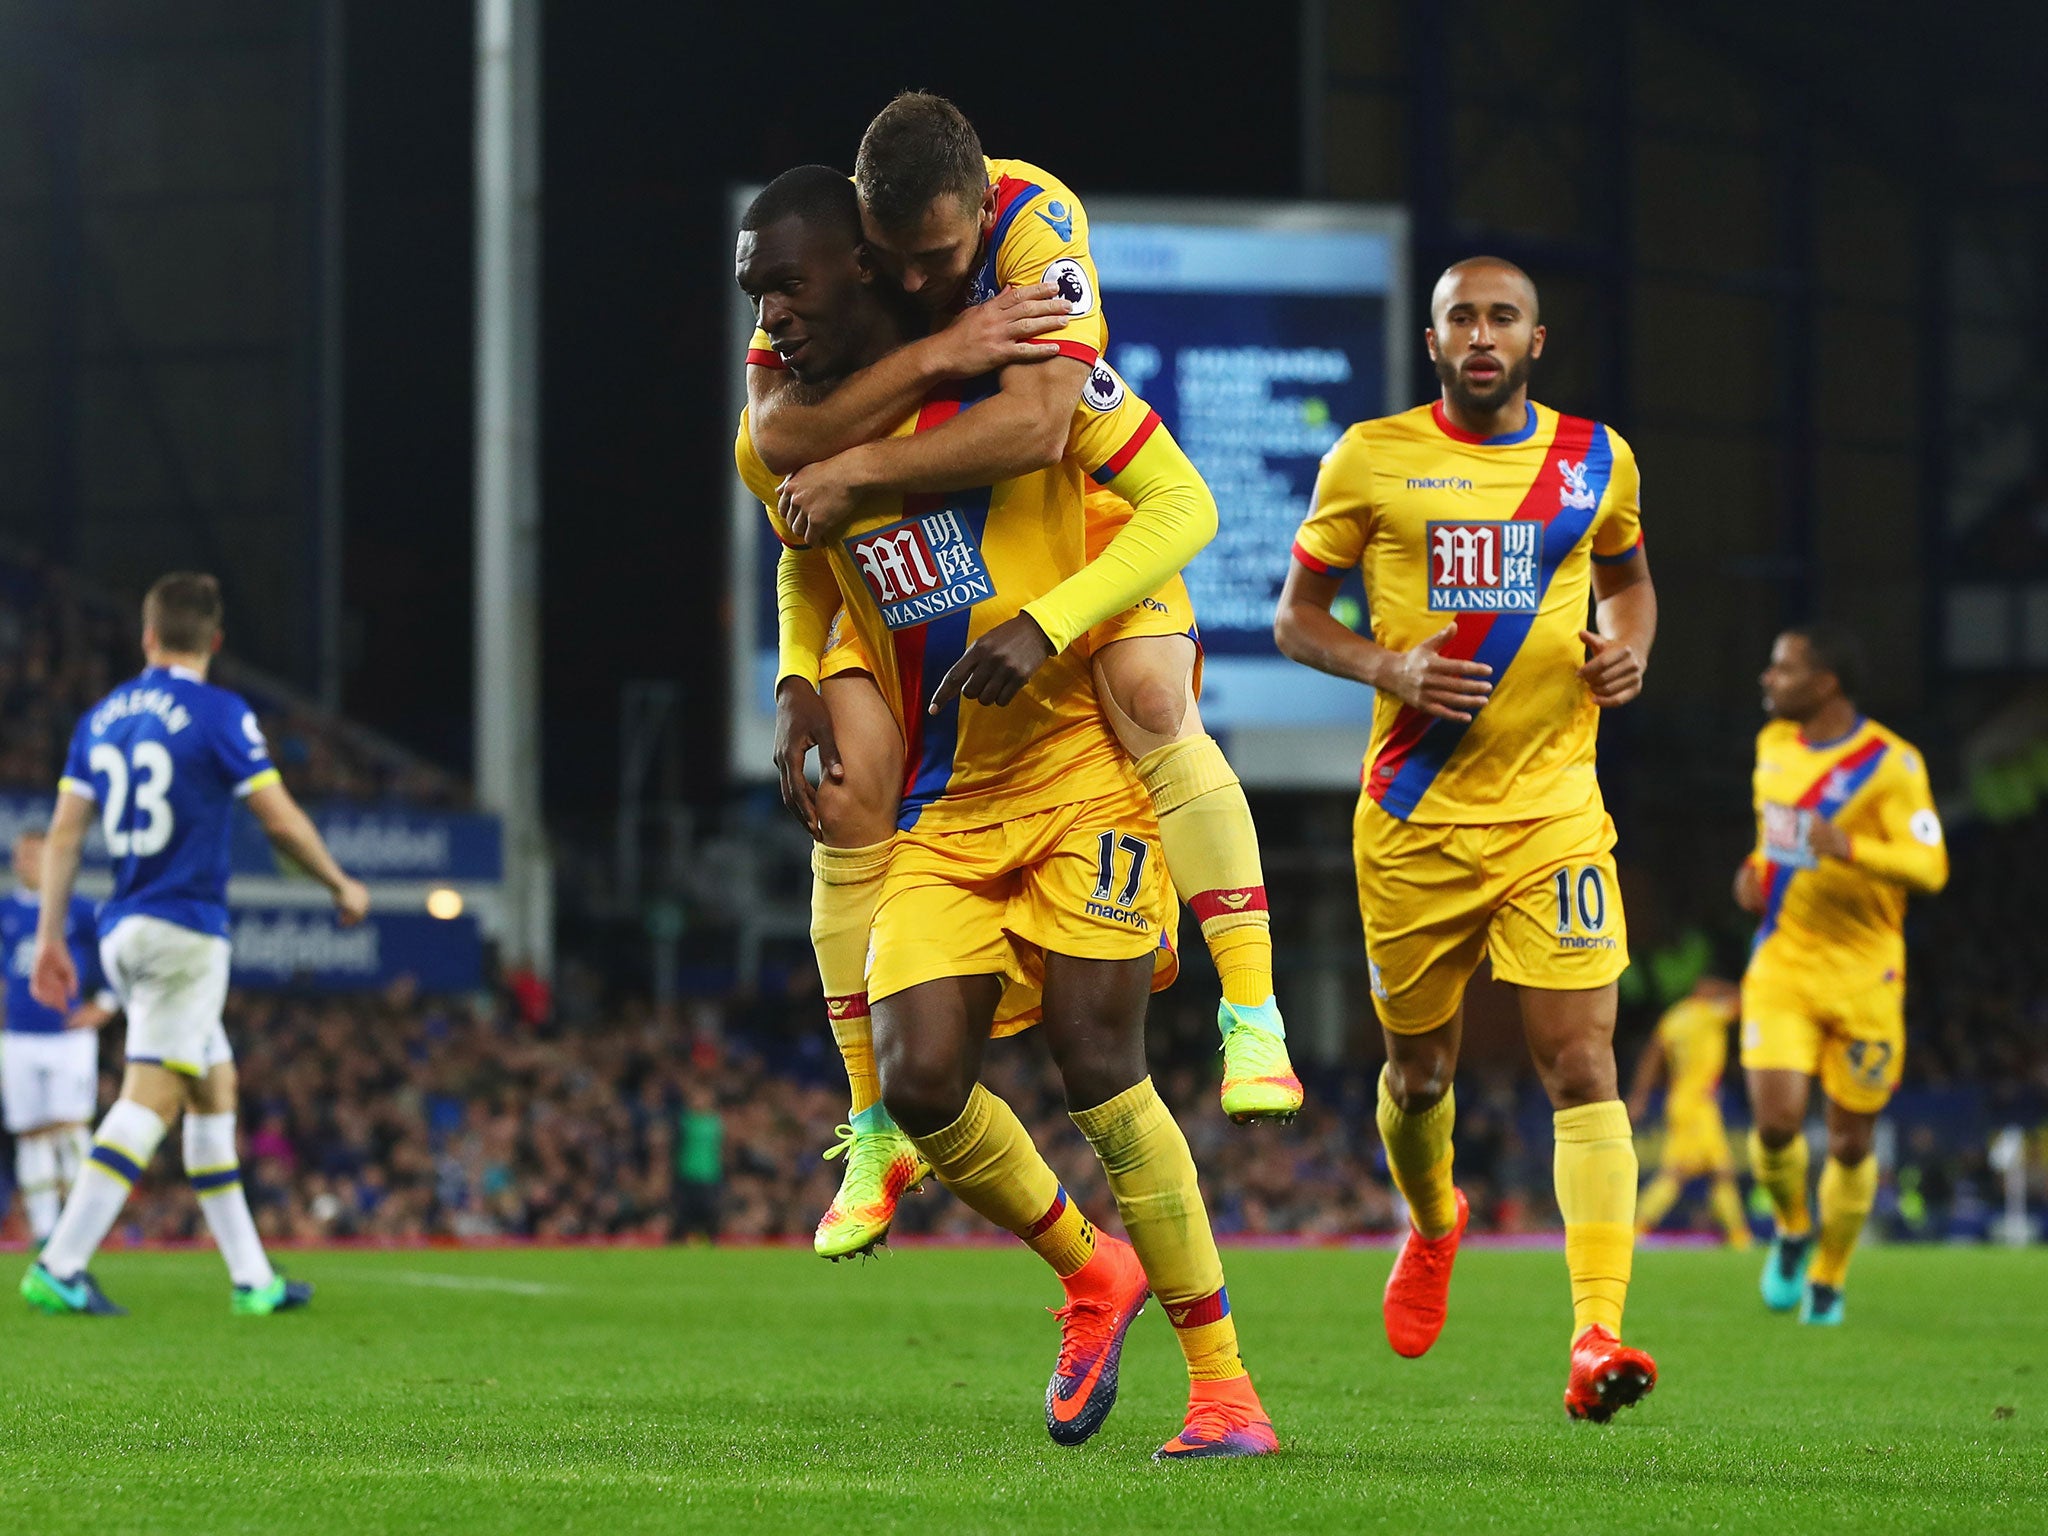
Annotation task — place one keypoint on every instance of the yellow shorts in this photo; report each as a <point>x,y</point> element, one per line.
<point>1537,897</point>
<point>1085,880</point>
<point>1695,1145</point>
<point>843,651</point>
<point>1853,1039</point>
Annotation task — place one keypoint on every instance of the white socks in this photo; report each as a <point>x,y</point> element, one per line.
<point>216,1177</point>
<point>128,1139</point>
<point>35,1174</point>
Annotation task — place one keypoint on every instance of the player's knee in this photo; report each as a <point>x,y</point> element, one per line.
<point>1417,1084</point>
<point>1581,1073</point>
<point>921,1096</point>
<point>1155,705</point>
<point>1849,1145</point>
<point>1776,1131</point>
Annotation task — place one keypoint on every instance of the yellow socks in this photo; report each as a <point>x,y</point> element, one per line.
<point>1656,1200</point>
<point>1846,1195</point>
<point>1596,1194</point>
<point>1419,1157</point>
<point>987,1159</point>
<point>1727,1203</point>
<point>1783,1175</point>
<point>846,885</point>
<point>1152,1175</point>
<point>1212,849</point>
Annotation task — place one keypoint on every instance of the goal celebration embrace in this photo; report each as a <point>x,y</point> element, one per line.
<point>1153,771</point>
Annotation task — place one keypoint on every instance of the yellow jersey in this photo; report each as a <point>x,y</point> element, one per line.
<point>922,577</point>
<point>1040,236</point>
<point>1496,535</point>
<point>1694,1034</point>
<point>1842,918</point>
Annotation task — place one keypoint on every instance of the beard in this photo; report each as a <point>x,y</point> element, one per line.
<point>1477,402</point>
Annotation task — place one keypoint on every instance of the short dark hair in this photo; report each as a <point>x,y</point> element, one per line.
<point>184,610</point>
<point>1835,648</point>
<point>919,148</point>
<point>818,195</point>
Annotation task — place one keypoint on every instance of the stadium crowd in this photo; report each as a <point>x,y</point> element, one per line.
<point>63,646</point>
<point>520,1113</point>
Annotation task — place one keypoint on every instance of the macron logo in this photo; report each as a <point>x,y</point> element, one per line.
<point>1439,483</point>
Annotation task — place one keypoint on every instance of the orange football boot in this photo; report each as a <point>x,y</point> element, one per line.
<point>1606,1375</point>
<point>1419,1289</point>
<point>1104,1296</point>
<point>1225,1418</point>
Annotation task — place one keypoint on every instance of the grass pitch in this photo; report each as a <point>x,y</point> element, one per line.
<point>672,1390</point>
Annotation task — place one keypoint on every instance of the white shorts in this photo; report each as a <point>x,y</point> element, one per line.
<point>51,1079</point>
<point>173,983</point>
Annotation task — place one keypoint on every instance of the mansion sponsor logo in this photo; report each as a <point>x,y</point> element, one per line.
<point>922,569</point>
<point>1483,567</point>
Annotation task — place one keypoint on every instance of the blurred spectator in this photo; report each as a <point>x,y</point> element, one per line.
<point>62,648</point>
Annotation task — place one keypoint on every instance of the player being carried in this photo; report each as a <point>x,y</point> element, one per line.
<point>1484,523</point>
<point>164,758</point>
<point>1028,852</point>
<point>1846,826</point>
<point>959,231</point>
<point>50,1058</point>
<point>1688,1052</point>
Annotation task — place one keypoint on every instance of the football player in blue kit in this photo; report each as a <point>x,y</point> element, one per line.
<point>49,1057</point>
<point>163,759</point>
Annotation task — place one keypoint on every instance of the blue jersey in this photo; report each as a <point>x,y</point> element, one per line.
<point>18,944</point>
<point>165,757</point>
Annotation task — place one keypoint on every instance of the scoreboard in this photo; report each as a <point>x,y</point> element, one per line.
<point>1259,331</point>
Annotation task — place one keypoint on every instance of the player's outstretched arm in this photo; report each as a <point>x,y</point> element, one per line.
<point>1649,1072</point>
<point>292,831</point>
<point>794,426</point>
<point>53,976</point>
<point>1625,619</point>
<point>1020,430</point>
<point>1172,517</point>
<point>1749,887</point>
<point>1422,678</point>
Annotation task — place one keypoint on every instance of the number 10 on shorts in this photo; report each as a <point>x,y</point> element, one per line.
<point>1580,892</point>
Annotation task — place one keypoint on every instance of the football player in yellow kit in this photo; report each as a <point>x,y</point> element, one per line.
<point>1027,850</point>
<point>1846,827</point>
<point>1688,1053</point>
<point>958,230</point>
<point>1487,526</point>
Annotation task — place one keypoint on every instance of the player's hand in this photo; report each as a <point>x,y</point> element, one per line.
<point>1436,684</point>
<point>801,723</point>
<point>351,902</point>
<point>1614,672</point>
<point>88,1016</point>
<point>1749,889</point>
<point>1825,840</point>
<point>997,666</point>
<point>818,500</point>
<point>53,979</point>
<point>985,337</point>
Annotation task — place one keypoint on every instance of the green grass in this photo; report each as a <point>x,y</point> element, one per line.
<point>763,1390</point>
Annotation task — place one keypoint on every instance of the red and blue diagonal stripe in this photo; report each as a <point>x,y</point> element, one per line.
<point>926,652</point>
<point>1418,745</point>
<point>1835,788</point>
<point>1119,461</point>
<point>1011,196</point>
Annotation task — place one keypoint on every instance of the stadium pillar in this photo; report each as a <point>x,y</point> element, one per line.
<point>507,659</point>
